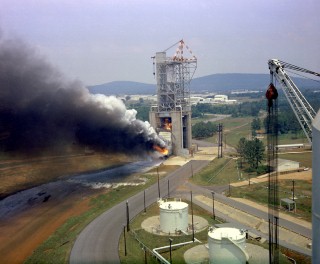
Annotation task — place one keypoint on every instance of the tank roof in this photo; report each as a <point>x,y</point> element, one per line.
<point>223,232</point>
<point>173,205</point>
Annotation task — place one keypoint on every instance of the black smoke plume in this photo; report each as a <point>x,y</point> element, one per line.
<point>41,110</point>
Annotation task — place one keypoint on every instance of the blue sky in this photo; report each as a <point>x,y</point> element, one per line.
<point>98,41</point>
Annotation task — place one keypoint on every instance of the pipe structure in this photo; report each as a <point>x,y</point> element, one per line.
<point>163,260</point>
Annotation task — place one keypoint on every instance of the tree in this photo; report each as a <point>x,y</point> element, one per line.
<point>241,149</point>
<point>196,112</point>
<point>251,151</point>
<point>256,124</point>
<point>254,152</point>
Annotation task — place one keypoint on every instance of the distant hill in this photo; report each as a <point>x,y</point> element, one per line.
<point>211,83</point>
<point>123,88</point>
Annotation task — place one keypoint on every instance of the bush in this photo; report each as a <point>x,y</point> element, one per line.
<point>262,169</point>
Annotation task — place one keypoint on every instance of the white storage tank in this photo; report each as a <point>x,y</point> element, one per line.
<point>173,216</point>
<point>227,245</point>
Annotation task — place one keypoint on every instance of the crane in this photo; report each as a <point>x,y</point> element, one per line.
<point>305,115</point>
<point>300,106</point>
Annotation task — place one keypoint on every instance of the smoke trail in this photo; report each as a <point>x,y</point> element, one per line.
<point>40,109</point>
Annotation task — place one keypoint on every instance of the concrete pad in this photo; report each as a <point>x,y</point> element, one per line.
<point>176,160</point>
<point>197,254</point>
<point>204,153</point>
<point>200,254</point>
<point>152,225</point>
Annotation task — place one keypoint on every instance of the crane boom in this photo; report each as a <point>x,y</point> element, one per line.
<point>300,106</point>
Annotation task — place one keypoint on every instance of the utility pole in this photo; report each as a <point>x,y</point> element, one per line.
<point>125,241</point>
<point>292,190</point>
<point>145,255</point>
<point>170,241</point>
<point>158,182</point>
<point>144,200</point>
<point>127,210</point>
<point>192,217</point>
<point>213,214</point>
<point>220,139</point>
<point>191,168</point>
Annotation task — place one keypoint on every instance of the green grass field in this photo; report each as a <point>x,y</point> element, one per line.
<point>221,172</point>
<point>259,193</point>
<point>238,127</point>
<point>305,158</point>
<point>233,130</point>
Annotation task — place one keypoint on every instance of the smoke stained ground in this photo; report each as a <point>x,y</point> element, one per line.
<point>41,110</point>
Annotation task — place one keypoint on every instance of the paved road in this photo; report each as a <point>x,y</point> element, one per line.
<point>98,242</point>
<point>251,210</point>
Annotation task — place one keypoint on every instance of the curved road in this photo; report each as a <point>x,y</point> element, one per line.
<point>98,242</point>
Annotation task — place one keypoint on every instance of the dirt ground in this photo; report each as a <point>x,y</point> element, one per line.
<point>24,229</point>
<point>23,233</point>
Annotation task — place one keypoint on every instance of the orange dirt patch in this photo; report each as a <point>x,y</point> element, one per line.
<point>22,234</point>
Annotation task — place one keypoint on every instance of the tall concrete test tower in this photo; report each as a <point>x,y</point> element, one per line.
<point>172,115</point>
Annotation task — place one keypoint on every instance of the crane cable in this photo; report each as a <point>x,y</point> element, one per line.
<point>272,158</point>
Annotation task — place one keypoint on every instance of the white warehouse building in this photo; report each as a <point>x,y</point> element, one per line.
<point>223,99</point>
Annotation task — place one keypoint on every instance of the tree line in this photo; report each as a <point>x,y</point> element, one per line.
<point>237,110</point>
<point>204,129</point>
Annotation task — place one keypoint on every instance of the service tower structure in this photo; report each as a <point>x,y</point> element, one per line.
<point>172,115</point>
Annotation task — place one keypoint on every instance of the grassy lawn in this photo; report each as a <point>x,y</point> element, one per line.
<point>304,158</point>
<point>220,172</point>
<point>206,117</point>
<point>236,128</point>
<point>293,138</point>
<point>57,247</point>
<point>259,193</point>
<point>135,253</point>
<point>233,130</point>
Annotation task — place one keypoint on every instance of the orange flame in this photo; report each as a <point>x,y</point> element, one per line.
<point>167,125</point>
<point>163,151</point>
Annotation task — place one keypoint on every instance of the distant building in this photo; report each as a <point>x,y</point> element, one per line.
<point>223,99</point>
<point>195,100</point>
<point>218,99</point>
<point>244,92</point>
<point>144,97</point>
